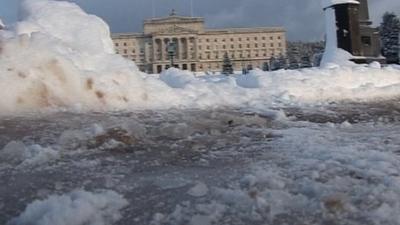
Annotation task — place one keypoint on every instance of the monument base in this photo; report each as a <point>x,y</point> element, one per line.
<point>368,60</point>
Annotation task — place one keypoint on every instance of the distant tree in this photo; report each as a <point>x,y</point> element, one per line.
<point>274,64</point>
<point>389,31</point>
<point>293,63</point>
<point>305,62</point>
<point>265,66</point>
<point>227,67</point>
<point>282,62</point>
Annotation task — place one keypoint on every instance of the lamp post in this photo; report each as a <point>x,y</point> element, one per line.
<point>171,50</point>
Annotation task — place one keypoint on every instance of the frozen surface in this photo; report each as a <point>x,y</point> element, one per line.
<point>294,165</point>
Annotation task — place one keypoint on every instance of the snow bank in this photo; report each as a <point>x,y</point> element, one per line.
<point>75,208</point>
<point>77,70</point>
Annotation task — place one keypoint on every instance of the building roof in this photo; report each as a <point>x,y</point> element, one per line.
<point>174,18</point>
<point>245,30</point>
<point>330,3</point>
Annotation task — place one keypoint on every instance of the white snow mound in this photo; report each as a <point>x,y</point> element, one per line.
<point>75,208</point>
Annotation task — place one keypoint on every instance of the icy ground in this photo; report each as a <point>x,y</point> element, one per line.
<point>337,164</point>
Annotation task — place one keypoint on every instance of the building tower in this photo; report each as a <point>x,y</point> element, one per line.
<point>370,38</point>
<point>343,30</point>
<point>349,28</point>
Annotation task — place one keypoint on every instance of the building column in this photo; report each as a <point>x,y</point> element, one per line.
<point>162,49</point>
<point>187,48</point>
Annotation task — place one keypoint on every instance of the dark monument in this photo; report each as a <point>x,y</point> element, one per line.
<point>354,31</point>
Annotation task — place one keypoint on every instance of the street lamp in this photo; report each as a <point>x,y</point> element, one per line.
<point>171,50</point>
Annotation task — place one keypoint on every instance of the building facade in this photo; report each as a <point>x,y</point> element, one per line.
<point>198,48</point>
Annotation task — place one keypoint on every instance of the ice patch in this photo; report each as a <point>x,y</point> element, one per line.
<point>199,190</point>
<point>75,208</point>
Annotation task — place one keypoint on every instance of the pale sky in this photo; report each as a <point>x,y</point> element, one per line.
<point>302,19</point>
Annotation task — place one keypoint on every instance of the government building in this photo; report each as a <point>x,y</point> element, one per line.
<point>198,48</point>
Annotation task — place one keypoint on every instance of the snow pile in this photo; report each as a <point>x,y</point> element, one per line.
<point>323,85</point>
<point>68,23</point>
<point>75,208</point>
<point>75,67</point>
<point>22,155</point>
<point>77,70</point>
<point>176,78</point>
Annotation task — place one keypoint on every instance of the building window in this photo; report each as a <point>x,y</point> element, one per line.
<point>207,40</point>
<point>232,39</point>
<point>280,44</point>
<point>240,45</point>
<point>264,45</point>
<point>255,38</point>
<point>216,40</point>
<point>248,39</point>
<point>125,44</point>
<point>256,45</point>
<point>271,38</point>
<point>272,45</point>
<point>248,45</point>
<point>125,51</point>
<point>240,39</point>
<point>223,46</point>
<point>279,37</point>
<point>117,44</point>
<point>263,38</point>
<point>232,46</point>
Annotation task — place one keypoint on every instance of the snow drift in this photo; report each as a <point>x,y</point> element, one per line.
<point>60,57</point>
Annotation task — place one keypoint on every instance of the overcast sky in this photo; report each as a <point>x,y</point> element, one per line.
<point>302,18</point>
